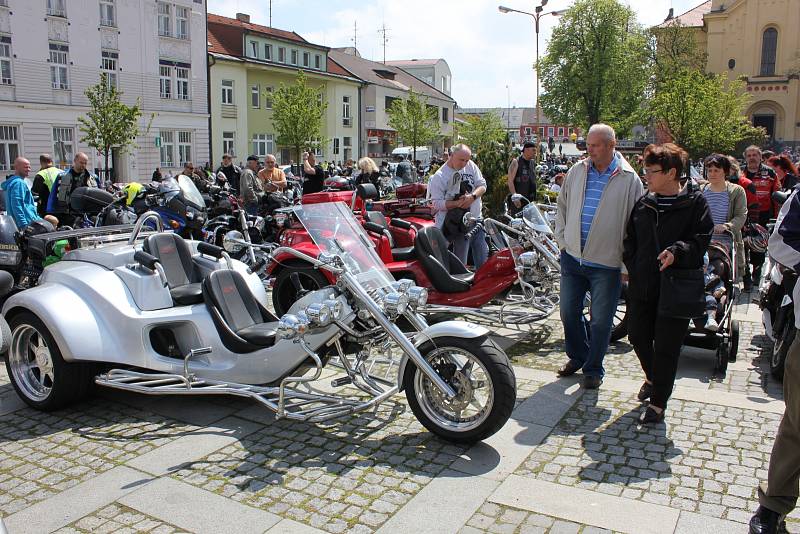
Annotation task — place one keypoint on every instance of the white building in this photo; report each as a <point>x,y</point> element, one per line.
<point>155,51</point>
<point>435,72</point>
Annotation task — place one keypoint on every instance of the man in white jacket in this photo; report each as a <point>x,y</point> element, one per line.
<point>446,185</point>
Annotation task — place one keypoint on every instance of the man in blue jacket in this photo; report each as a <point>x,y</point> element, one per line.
<point>19,199</point>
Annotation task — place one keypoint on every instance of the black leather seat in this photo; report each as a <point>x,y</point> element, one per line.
<point>445,270</point>
<point>244,325</point>
<point>398,253</point>
<point>175,256</point>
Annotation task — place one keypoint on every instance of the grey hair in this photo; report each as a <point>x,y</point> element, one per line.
<point>459,147</point>
<point>271,156</point>
<point>607,132</point>
<point>752,147</point>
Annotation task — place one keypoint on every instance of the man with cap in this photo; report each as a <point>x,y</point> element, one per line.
<point>522,175</point>
<point>250,186</point>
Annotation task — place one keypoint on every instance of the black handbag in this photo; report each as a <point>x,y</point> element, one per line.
<point>682,292</point>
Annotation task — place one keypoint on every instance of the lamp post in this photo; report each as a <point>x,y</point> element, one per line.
<point>537,14</point>
<point>508,110</point>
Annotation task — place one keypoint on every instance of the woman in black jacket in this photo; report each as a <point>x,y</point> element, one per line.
<point>669,226</point>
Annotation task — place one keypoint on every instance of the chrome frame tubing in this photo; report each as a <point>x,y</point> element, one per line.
<point>140,222</point>
<point>246,235</point>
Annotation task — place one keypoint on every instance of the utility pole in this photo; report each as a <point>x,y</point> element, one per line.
<point>385,39</point>
<point>270,13</point>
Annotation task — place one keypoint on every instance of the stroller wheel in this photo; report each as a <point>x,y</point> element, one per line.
<point>734,341</point>
<point>722,358</point>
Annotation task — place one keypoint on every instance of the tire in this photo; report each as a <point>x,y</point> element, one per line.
<point>777,359</point>
<point>721,358</point>
<point>498,379</point>
<point>284,293</point>
<point>65,382</point>
<point>5,332</point>
<point>734,341</point>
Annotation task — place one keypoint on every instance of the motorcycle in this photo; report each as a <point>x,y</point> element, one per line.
<point>166,316</point>
<point>179,203</point>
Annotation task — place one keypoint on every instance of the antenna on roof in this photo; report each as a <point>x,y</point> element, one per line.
<point>385,39</point>
<point>355,34</point>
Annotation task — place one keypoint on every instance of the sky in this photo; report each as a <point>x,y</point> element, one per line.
<point>491,54</point>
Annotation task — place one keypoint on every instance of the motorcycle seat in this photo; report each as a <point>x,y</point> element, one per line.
<point>398,253</point>
<point>175,257</point>
<point>445,270</point>
<point>244,324</point>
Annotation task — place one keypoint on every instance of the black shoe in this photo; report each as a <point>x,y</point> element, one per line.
<point>651,416</point>
<point>645,391</point>
<point>569,369</point>
<point>747,285</point>
<point>592,382</point>
<point>765,521</point>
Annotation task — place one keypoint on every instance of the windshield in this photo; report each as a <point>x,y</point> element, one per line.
<point>336,231</point>
<point>534,219</point>
<point>190,191</point>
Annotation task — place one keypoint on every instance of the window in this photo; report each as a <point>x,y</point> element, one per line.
<point>561,132</point>
<point>56,8</point>
<point>253,49</point>
<point>108,15</point>
<point>108,67</point>
<point>268,52</point>
<point>294,57</point>
<point>315,142</point>
<point>570,131</point>
<point>527,131</point>
<point>5,61</point>
<point>167,148</point>
<point>165,75</point>
<point>348,142</point>
<point>227,92</point>
<point>541,132</point>
<point>281,54</point>
<point>769,49</point>
<point>164,19</point>
<point>58,66</point>
<point>184,147</point>
<point>268,97</point>
<point>389,101</point>
<point>182,22</point>
<point>346,120</point>
<point>263,144</point>
<point>63,145</point>
<point>9,147</point>
<point>445,115</point>
<point>335,146</point>
<point>228,142</point>
<point>550,131</point>
<point>255,96</point>
<point>317,61</point>
<point>306,59</point>
<point>182,82</point>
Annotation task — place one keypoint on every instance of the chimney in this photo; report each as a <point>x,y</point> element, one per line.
<point>244,17</point>
<point>670,16</point>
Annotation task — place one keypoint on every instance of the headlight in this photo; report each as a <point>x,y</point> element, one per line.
<point>517,224</point>
<point>337,310</point>
<point>401,286</point>
<point>395,303</point>
<point>527,260</point>
<point>10,258</point>
<point>417,296</point>
<point>280,219</point>
<point>319,314</point>
<point>259,224</point>
<point>230,244</point>
<point>291,326</point>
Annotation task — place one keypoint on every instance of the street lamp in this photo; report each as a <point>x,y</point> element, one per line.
<point>537,14</point>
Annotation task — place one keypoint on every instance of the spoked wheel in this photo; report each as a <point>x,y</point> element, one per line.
<point>288,289</point>
<point>619,326</point>
<point>479,371</point>
<point>39,374</point>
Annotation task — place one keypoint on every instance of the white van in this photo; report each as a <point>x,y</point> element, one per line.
<point>407,152</point>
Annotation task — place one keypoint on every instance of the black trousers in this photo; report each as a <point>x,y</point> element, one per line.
<point>657,342</point>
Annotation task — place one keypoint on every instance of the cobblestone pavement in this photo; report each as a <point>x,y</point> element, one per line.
<point>568,461</point>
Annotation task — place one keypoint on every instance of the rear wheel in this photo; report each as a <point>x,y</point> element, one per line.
<point>484,382</point>
<point>285,291</point>
<point>781,348</point>
<point>37,370</point>
<point>721,358</point>
<point>734,342</point>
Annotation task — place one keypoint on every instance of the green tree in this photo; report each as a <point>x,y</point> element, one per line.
<point>416,123</point>
<point>673,48</point>
<point>597,67</point>
<point>482,131</point>
<point>297,115</point>
<point>703,113</point>
<point>109,123</point>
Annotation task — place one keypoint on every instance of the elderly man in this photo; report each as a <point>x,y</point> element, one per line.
<point>66,182</point>
<point>232,172</point>
<point>594,205</point>
<point>458,186</point>
<point>271,177</point>
<point>19,199</point>
<point>765,182</point>
<point>250,193</point>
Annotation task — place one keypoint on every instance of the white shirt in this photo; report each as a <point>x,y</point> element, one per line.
<point>446,185</point>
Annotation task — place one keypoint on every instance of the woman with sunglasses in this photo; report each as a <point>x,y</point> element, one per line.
<point>728,204</point>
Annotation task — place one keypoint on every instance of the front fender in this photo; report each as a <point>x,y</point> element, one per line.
<point>460,329</point>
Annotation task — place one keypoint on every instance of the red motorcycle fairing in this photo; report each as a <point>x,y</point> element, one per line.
<point>332,196</point>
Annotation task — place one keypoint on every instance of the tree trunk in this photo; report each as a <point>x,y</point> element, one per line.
<point>105,155</point>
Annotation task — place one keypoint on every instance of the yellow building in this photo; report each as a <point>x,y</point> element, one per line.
<point>759,42</point>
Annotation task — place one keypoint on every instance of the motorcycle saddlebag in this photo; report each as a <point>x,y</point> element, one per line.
<point>417,190</point>
<point>90,200</point>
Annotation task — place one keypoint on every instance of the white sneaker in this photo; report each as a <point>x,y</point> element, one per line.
<point>711,324</point>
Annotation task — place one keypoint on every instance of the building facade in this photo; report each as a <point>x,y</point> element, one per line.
<point>383,84</point>
<point>511,118</point>
<point>434,72</point>
<point>248,62</point>
<point>51,51</point>
<point>542,129</point>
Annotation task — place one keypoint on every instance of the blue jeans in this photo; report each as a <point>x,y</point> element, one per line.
<point>587,342</point>
<point>480,250</point>
<point>251,208</point>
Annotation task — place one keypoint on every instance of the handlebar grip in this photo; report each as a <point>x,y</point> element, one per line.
<point>209,250</point>
<point>145,260</point>
<point>400,223</point>
<point>373,227</point>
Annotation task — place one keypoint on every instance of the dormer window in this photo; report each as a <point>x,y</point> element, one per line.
<point>385,74</point>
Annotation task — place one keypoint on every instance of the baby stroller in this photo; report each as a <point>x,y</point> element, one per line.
<point>725,341</point>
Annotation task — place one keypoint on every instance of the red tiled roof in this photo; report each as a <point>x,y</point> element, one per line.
<point>335,68</point>
<point>692,18</point>
<point>282,34</point>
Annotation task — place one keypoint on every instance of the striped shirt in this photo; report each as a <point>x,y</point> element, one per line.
<point>665,202</point>
<point>718,203</point>
<point>595,185</point>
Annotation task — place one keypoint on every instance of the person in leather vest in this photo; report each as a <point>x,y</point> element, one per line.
<point>522,174</point>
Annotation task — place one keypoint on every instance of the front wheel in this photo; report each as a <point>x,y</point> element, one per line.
<point>287,291</point>
<point>480,373</point>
